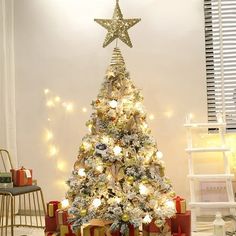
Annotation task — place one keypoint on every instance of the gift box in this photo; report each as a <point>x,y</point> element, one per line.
<point>61,217</point>
<point>131,232</point>
<point>179,232</point>
<point>180,205</point>
<point>52,207</point>
<point>6,185</point>
<point>22,177</point>
<point>151,229</point>
<point>182,221</point>
<point>65,230</point>
<point>97,228</point>
<point>5,177</point>
<point>51,233</point>
<point>50,224</point>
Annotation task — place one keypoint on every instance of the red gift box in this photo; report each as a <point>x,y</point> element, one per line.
<point>151,229</point>
<point>65,230</point>
<point>50,224</point>
<point>22,177</point>
<point>179,232</point>
<point>132,232</point>
<point>61,217</point>
<point>180,204</point>
<point>183,221</point>
<point>52,206</point>
<point>51,233</point>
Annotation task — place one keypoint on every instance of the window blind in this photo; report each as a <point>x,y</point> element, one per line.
<point>220,44</point>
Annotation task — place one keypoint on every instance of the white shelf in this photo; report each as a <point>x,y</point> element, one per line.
<point>215,176</point>
<point>205,125</point>
<point>213,204</point>
<point>210,149</point>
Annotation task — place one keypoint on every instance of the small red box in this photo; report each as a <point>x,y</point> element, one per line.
<point>132,231</point>
<point>61,217</point>
<point>22,177</point>
<point>52,206</point>
<point>182,221</point>
<point>50,224</point>
<point>152,230</point>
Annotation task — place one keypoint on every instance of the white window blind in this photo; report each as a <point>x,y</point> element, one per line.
<point>220,41</point>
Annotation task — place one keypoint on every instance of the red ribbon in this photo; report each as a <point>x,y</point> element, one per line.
<point>178,199</point>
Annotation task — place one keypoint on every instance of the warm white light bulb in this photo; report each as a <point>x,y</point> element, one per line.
<point>113,104</point>
<point>118,200</point>
<point>84,109</point>
<point>159,155</point>
<point>49,135</point>
<point>99,168</point>
<point>170,204</point>
<point>46,91</point>
<point>147,219</point>
<point>117,150</point>
<point>97,202</point>
<point>57,99</point>
<point>69,107</point>
<point>53,150</point>
<point>143,189</point>
<point>50,103</point>
<point>87,146</point>
<point>81,172</point>
<point>151,117</point>
<point>65,203</point>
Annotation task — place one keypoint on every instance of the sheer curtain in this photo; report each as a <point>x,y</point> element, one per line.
<point>7,79</point>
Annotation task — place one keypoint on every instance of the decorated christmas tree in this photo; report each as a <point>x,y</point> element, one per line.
<point>119,175</point>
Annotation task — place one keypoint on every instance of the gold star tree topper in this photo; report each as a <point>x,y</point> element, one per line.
<point>117,27</point>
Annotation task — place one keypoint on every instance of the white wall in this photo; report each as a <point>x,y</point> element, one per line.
<point>58,46</point>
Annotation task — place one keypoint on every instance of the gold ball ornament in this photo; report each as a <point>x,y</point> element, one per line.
<point>125,217</point>
<point>172,194</point>
<point>83,212</point>
<point>130,179</point>
<point>145,180</point>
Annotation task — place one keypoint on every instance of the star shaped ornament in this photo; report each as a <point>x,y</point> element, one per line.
<point>117,27</point>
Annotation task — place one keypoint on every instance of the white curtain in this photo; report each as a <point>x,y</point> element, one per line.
<point>7,79</point>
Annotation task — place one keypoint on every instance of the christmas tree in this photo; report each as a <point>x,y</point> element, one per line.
<point>119,174</point>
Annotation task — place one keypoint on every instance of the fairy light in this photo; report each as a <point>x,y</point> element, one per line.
<point>53,150</point>
<point>170,204</point>
<point>99,168</point>
<point>151,117</point>
<point>49,135</point>
<point>147,219</point>
<point>50,103</point>
<point>81,172</point>
<point>143,189</point>
<point>46,91</point>
<point>86,146</point>
<point>61,165</point>
<point>90,126</point>
<point>57,99</point>
<point>169,114</point>
<point>117,150</point>
<point>97,202</point>
<point>113,104</point>
<point>159,155</point>
<point>65,204</point>
<point>84,109</point>
<point>69,107</point>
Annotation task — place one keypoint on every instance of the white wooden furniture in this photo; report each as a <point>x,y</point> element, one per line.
<point>193,178</point>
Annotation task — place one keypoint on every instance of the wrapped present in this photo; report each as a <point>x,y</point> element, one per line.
<point>5,177</point>
<point>52,206</point>
<point>22,177</point>
<point>179,232</point>
<point>97,231</point>
<point>97,228</point>
<point>131,232</point>
<point>6,185</point>
<point>151,229</point>
<point>180,205</point>
<point>65,230</point>
<point>51,233</point>
<point>50,224</point>
<point>182,221</point>
<point>61,217</point>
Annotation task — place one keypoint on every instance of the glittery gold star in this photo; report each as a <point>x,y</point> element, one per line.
<point>117,27</point>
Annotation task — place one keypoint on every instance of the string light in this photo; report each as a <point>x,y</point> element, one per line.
<point>53,150</point>
<point>147,219</point>
<point>46,91</point>
<point>143,189</point>
<point>86,146</point>
<point>65,204</point>
<point>50,103</point>
<point>81,172</point>
<point>49,135</point>
<point>61,165</point>
<point>97,202</point>
<point>84,109</point>
<point>117,150</point>
<point>113,104</point>
<point>159,155</point>
<point>99,168</point>
<point>57,99</point>
<point>169,114</point>
<point>69,107</point>
<point>151,117</point>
